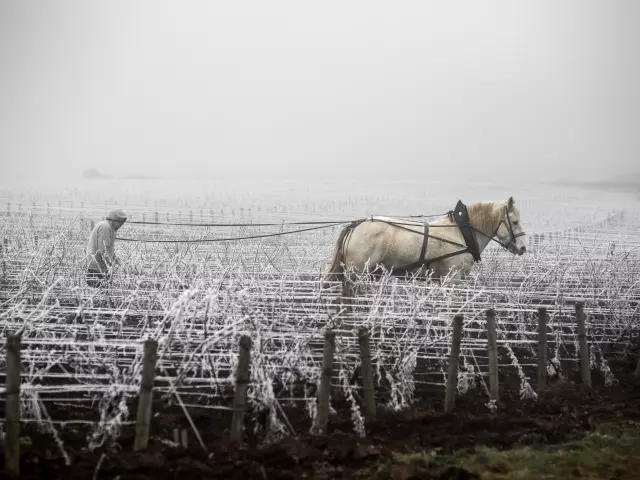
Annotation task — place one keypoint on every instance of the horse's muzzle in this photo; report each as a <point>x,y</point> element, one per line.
<point>522,250</point>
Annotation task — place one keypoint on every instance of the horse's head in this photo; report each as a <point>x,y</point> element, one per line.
<point>510,231</point>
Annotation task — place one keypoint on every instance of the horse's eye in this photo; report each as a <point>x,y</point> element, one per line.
<point>515,223</point>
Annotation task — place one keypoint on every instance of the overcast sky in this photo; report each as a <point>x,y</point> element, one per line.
<point>527,89</point>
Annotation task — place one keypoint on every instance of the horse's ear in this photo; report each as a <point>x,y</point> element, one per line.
<point>510,204</point>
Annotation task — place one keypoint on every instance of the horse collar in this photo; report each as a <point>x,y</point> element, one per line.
<point>461,217</point>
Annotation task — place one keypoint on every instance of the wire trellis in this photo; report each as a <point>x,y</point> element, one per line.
<point>83,346</point>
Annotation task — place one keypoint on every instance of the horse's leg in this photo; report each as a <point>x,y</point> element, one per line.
<point>453,272</point>
<point>456,277</point>
<point>348,293</point>
<point>423,274</point>
<point>346,290</point>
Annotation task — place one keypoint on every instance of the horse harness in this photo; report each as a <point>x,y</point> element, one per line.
<point>461,217</point>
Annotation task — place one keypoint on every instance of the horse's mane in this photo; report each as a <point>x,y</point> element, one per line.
<point>485,216</point>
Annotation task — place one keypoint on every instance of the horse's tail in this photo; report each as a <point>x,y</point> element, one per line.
<point>335,272</point>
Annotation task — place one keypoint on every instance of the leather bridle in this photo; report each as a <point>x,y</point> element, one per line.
<point>506,220</point>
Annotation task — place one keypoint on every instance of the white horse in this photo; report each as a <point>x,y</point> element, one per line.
<point>446,247</point>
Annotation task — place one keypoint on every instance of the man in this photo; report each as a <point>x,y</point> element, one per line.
<point>100,249</point>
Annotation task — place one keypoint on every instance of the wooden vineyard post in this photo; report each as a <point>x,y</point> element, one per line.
<point>324,392</point>
<point>585,368</point>
<point>145,400</point>
<point>367,373</point>
<point>242,383</point>
<point>492,340</point>
<point>12,406</point>
<point>452,376</point>
<point>542,347</point>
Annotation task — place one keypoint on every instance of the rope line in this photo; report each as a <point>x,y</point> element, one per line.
<point>228,239</point>
<point>319,225</point>
<point>240,224</point>
<point>310,222</point>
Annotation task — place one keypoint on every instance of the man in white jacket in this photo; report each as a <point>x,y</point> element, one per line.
<point>100,249</point>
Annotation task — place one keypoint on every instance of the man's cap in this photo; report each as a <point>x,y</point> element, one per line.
<point>117,215</point>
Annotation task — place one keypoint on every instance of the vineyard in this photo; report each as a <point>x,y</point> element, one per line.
<point>196,279</point>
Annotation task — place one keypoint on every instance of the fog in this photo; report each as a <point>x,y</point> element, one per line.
<point>360,90</point>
